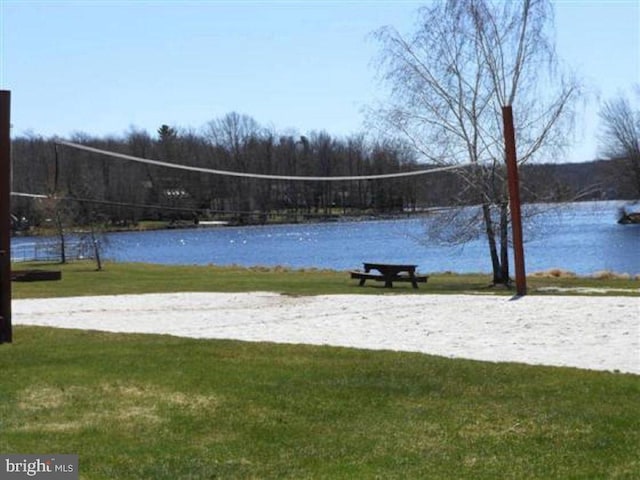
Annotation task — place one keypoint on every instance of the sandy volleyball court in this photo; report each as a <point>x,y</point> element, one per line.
<point>600,333</point>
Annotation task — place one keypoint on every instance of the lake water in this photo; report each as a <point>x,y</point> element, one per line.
<point>583,238</point>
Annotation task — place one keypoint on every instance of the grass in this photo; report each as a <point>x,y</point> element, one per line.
<point>160,407</point>
<point>118,278</point>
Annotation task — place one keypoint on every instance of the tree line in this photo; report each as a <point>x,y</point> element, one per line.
<point>123,191</point>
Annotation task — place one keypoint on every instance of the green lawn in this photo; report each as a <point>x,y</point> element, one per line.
<point>161,407</point>
<point>81,278</point>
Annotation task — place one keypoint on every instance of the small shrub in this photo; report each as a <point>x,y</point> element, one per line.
<point>609,275</point>
<point>554,273</point>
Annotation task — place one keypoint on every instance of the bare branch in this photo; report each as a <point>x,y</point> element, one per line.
<point>467,59</point>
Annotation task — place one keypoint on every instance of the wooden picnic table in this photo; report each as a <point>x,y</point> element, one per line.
<point>389,273</point>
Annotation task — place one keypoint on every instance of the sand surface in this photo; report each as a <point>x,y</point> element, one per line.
<point>599,333</point>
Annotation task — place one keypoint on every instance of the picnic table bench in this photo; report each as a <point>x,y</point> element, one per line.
<point>35,275</point>
<point>389,273</point>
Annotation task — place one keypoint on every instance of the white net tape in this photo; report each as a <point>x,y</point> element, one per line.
<point>30,195</point>
<point>258,175</point>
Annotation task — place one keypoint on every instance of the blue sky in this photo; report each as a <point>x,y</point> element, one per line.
<point>103,66</point>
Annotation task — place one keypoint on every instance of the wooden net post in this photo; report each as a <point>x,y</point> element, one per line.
<point>5,217</point>
<point>514,199</point>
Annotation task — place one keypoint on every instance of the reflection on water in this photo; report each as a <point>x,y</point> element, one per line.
<point>583,238</point>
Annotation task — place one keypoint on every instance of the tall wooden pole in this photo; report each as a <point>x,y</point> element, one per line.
<point>514,199</point>
<point>5,217</point>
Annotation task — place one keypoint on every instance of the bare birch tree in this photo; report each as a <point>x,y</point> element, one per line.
<point>449,81</point>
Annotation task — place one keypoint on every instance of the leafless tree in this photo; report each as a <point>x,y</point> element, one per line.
<point>231,134</point>
<point>449,81</point>
<point>61,214</point>
<point>620,138</point>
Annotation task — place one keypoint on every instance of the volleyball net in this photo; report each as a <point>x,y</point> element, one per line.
<point>129,187</point>
<point>261,176</point>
